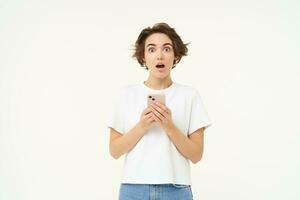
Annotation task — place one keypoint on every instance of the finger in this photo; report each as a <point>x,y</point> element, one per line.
<point>160,110</point>
<point>158,114</point>
<point>164,107</point>
<point>146,111</point>
<point>151,118</point>
<point>156,119</point>
<point>159,103</point>
<point>147,116</point>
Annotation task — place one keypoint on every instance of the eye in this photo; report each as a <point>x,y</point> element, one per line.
<point>151,50</point>
<point>167,49</point>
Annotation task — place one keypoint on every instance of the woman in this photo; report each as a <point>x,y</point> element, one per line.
<point>159,139</point>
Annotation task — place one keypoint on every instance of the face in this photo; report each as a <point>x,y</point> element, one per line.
<point>159,55</point>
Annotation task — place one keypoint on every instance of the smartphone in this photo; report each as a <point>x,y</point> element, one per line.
<point>155,97</point>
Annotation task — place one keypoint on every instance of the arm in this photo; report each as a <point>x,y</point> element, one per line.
<point>121,144</point>
<point>190,147</point>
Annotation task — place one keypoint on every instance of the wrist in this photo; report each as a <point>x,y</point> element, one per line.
<point>141,128</point>
<point>170,128</point>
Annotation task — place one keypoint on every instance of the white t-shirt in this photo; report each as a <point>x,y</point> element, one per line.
<point>155,159</point>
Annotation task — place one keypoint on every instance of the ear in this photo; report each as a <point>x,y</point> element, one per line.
<point>175,60</point>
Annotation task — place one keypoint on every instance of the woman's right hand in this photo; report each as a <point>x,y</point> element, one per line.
<point>146,120</point>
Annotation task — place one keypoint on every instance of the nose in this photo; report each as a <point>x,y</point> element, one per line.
<point>159,55</point>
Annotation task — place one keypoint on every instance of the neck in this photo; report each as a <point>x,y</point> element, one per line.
<point>158,84</point>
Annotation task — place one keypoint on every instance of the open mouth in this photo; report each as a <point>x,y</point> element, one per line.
<point>160,66</point>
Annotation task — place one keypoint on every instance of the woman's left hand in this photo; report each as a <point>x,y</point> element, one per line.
<point>162,115</point>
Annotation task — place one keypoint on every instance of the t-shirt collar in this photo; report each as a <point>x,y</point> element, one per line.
<point>165,90</point>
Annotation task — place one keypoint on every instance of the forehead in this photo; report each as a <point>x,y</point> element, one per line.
<point>158,39</point>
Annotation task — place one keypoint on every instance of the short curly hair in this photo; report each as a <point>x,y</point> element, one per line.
<point>180,49</point>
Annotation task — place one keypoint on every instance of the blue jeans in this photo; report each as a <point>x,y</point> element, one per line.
<point>155,192</point>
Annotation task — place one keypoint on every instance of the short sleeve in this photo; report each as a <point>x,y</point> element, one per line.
<point>198,115</point>
<point>115,118</point>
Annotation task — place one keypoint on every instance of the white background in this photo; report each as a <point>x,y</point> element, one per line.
<point>62,63</point>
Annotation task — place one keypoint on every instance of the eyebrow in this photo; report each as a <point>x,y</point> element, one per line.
<point>163,44</point>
